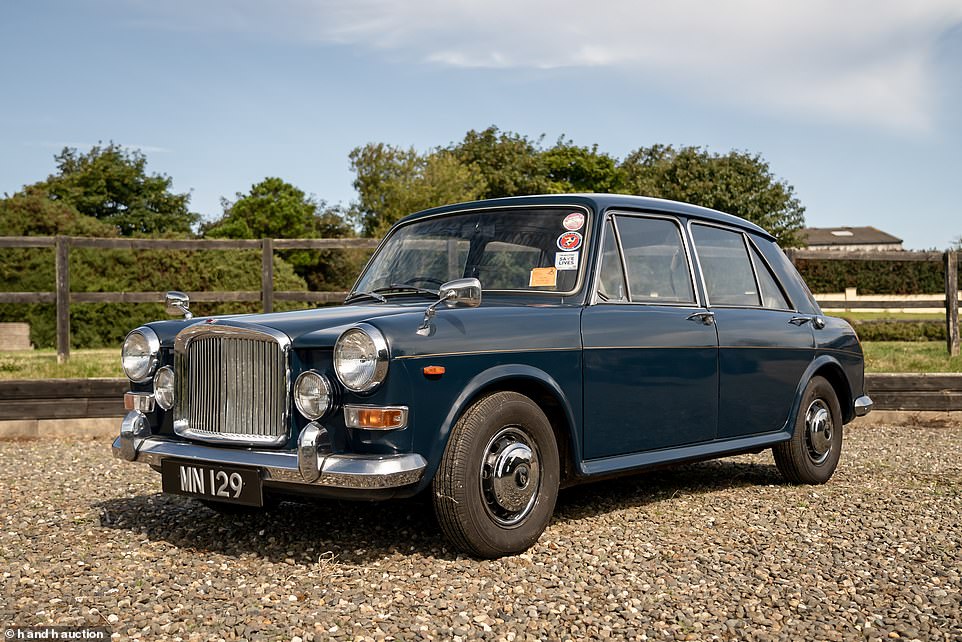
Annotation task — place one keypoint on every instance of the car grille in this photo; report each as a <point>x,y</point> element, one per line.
<point>232,385</point>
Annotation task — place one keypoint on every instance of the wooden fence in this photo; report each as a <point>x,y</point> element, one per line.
<point>63,297</point>
<point>950,303</point>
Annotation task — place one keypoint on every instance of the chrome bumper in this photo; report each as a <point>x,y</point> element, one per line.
<point>310,464</point>
<point>863,405</point>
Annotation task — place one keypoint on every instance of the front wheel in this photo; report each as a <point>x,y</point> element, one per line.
<point>495,490</point>
<point>811,455</point>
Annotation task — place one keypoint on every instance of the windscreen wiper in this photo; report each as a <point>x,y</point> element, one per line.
<point>403,287</point>
<point>373,295</point>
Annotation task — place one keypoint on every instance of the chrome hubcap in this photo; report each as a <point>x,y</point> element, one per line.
<point>510,476</point>
<point>819,431</point>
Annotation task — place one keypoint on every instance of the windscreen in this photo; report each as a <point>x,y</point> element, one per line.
<point>538,250</point>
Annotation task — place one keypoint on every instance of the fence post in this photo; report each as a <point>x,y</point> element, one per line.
<point>952,303</point>
<point>267,274</point>
<point>62,268</point>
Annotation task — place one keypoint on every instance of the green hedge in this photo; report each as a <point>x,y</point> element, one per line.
<point>892,330</point>
<point>873,277</point>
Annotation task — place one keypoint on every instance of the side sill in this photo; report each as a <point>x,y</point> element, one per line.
<point>706,450</point>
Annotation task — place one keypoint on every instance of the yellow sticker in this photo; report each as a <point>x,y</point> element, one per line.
<point>543,277</point>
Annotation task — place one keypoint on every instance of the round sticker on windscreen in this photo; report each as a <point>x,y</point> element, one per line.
<point>574,221</point>
<point>569,241</point>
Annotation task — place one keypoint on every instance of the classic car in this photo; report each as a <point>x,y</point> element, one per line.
<point>491,353</point>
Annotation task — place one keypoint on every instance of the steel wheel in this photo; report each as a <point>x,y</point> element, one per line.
<point>510,476</point>
<point>811,455</point>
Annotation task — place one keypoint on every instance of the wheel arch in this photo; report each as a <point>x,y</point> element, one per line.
<point>533,383</point>
<point>830,369</point>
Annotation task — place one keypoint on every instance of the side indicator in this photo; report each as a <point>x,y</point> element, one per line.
<point>433,371</point>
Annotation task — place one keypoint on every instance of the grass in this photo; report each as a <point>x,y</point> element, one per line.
<point>880,356</point>
<point>909,356</point>
<point>42,364</point>
<point>891,316</point>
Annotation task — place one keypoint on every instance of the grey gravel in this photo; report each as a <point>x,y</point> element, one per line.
<point>718,550</point>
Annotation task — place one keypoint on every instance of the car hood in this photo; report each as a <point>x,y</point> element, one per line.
<point>317,328</point>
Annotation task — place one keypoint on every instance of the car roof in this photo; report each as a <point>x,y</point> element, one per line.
<point>600,203</point>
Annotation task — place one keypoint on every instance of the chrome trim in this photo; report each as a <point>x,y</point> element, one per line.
<point>153,344</point>
<point>327,386</point>
<point>383,356</point>
<point>431,355</point>
<point>863,405</point>
<point>139,401</point>
<point>134,430</point>
<point>589,221</point>
<point>336,471</point>
<point>227,413</point>
<point>355,406</point>
<point>510,476</point>
<point>178,303</point>
<point>312,443</point>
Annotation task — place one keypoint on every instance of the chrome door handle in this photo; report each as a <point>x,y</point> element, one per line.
<point>817,322</point>
<point>707,318</point>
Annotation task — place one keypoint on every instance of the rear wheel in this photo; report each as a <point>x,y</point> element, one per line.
<point>812,454</point>
<point>495,490</point>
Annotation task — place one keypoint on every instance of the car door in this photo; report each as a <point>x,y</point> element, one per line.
<point>650,350</point>
<point>764,344</point>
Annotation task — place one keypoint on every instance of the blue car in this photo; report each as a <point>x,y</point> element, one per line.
<point>493,352</point>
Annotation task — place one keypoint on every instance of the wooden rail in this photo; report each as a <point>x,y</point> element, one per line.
<point>63,297</point>
<point>950,261</point>
<point>88,398</point>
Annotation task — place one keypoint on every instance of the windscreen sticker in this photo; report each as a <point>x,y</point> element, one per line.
<point>566,260</point>
<point>574,221</point>
<point>543,277</point>
<point>569,241</point>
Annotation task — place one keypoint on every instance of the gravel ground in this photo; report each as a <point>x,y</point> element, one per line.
<point>719,550</point>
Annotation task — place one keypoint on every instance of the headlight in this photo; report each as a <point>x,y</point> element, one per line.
<point>164,387</point>
<point>312,394</point>
<point>140,354</point>
<point>361,358</point>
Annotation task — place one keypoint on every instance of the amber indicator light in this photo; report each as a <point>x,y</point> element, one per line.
<point>378,418</point>
<point>433,371</point>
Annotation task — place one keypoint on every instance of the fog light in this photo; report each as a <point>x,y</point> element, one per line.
<point>164,387</point>
<point>376,417</point>
<point>312,394</point>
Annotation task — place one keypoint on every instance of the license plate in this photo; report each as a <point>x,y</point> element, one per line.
<point>212,481</point>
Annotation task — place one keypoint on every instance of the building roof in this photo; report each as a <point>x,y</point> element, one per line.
<point>847,236</point>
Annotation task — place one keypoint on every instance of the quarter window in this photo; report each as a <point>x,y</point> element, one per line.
<point>611,284</point>
<point>772,296</point>
<point>726,266</point>
<point>655,260</point>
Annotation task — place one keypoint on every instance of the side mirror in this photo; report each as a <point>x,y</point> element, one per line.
<point>463,293</point>
<point>178,303</point>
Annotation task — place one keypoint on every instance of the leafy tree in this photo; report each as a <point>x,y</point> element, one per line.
<point>392,182</point>
<point>111,184</point>
<point>570,168</point>
<point>737,183</point>
<point>509,163</point>
<point>31,213</point>
<point>274,208</point>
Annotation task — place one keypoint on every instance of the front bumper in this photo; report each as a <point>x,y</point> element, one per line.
<point>311,464</point>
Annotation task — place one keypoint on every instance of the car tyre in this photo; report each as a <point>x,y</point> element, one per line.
<point>812,454</point>
<point>495,490</point>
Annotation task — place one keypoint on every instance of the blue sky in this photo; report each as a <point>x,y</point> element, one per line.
<point>854,103</point>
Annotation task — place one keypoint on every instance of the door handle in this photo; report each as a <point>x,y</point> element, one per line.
<point>707,318</point>
<point>817,322</point>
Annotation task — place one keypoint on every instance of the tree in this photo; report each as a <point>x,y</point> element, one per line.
<point>31,213</point>
<point>736,183</point>
<point>392,182</point>
<point>274,208</point>
<point>510,164</point>
<point>111,184</point>
<point>570,168</point>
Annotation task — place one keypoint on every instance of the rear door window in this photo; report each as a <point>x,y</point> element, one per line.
<point>726,266</point>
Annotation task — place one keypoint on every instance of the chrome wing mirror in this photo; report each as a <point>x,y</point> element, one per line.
<point>178,303</point>
<point>459,293</point>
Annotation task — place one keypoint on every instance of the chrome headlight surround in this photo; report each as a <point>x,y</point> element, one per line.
<point>140,354</point>
<point>313,394</point>
<point>361,358</point>
<point>164,387</point>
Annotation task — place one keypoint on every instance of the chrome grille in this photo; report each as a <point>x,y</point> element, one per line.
<point>232,385</point>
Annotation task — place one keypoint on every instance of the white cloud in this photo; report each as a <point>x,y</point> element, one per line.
<point>865,61</point>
